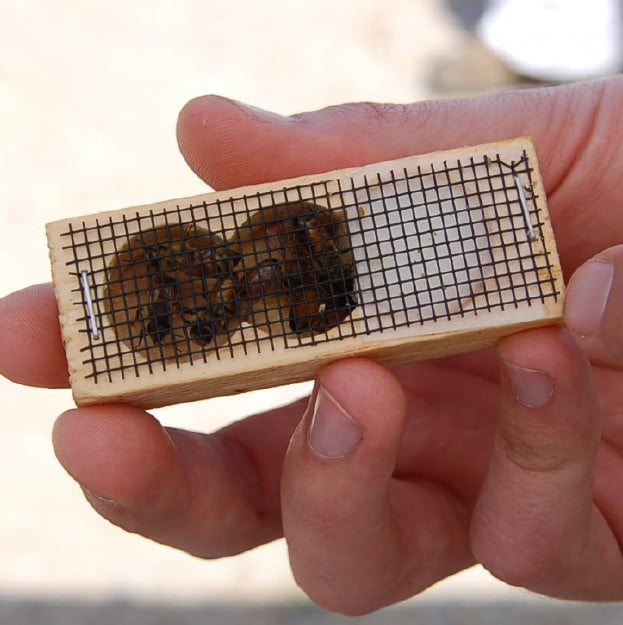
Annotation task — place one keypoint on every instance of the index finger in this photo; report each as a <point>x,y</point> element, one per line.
<point>31,348</point>
<point>229,144</point>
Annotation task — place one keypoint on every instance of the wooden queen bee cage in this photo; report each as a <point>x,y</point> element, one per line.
<point>254,287</point>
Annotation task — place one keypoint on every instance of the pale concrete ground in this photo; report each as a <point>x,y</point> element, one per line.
<point>89,94</point>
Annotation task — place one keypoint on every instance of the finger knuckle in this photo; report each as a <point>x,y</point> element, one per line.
<point>541,451</point>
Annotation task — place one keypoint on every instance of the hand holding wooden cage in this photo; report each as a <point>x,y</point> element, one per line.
<point>254,287</point>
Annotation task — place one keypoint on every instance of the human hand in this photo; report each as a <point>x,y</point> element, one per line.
<point>393,479</point>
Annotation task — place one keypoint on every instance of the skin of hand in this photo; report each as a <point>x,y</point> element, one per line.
<point>388,480</point>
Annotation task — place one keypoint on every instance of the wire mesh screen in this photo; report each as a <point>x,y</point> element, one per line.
<point>208,281</point>
<point>412,247</point>
<point>459,239</point>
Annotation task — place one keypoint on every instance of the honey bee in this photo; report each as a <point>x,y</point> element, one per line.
<point>224,258</point>
<point>262,280</point>
<point>214,261</point>
<point>157,316</point>
<point>305,314</point>
<point>317,234</point>
<point>226,299</point>
<point>164,258</point>
<point>288,266</point>
<point>196,269</point>
<point>339,301</point>
<point>262,292</point>
<point>303,270</point>
<point>320,309</point>
<point>214,318</point>
<point>201,329</point>
<point>202,333</point>
<point>291,238</point>
<point>153,259</point>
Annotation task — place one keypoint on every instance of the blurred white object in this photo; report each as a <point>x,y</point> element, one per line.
<point>559,40</point>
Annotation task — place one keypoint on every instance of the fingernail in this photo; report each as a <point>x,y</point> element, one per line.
<point>587,296</point>
<point>258,114</point>
<point>333,433</point>
<point>532,388</point>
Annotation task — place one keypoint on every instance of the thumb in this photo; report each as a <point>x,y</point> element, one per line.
<point>358,537</point>
<point>335,483</point>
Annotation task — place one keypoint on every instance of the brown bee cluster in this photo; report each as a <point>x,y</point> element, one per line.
<point>288,270</point>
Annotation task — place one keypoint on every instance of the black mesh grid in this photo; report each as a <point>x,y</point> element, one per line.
<point>446,242</point>
<point>306,264</point>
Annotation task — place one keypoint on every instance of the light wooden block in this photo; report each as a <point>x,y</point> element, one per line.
<point>445,252</point>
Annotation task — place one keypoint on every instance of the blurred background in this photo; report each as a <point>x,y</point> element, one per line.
<point>89,94</point>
